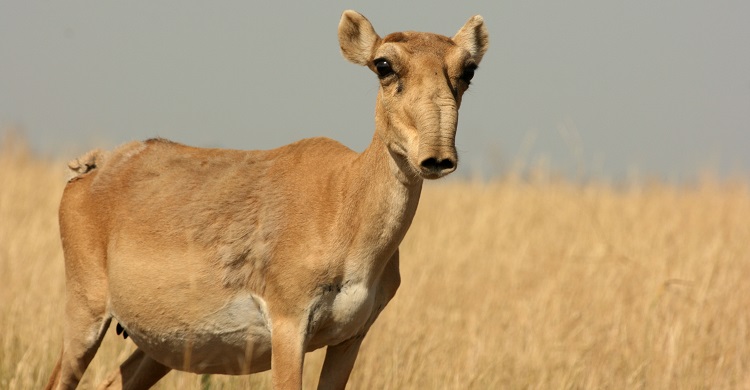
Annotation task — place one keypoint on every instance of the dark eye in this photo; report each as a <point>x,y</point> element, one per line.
<point>383,67</point>
<point>468,73</point>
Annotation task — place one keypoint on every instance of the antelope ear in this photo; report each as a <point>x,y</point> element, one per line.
<point>357,38</point>
<point>473,37</point>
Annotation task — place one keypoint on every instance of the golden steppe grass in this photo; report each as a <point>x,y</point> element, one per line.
<point>508,284</point>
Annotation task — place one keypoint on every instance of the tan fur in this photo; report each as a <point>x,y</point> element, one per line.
<point>234,262</point>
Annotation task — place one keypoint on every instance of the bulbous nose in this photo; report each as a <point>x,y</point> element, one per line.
<point>433,167</point>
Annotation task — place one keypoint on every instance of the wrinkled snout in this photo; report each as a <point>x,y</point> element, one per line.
<point>437,150</point>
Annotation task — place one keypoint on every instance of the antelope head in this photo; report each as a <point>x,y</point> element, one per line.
<point>422,79</point>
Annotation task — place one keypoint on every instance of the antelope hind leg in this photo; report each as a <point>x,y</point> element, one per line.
<point>87,314</point>
<point>139,371</point>
<point>84,331</point>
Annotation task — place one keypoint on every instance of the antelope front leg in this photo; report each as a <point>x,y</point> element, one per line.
<point>340,358</point>
<point>339,363</point>
<point>287,354</point>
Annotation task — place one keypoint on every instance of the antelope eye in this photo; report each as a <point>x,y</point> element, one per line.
<point>468,73</point>
<point>383,67</point>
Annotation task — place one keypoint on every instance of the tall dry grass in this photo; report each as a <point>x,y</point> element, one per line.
<point>515,284</point>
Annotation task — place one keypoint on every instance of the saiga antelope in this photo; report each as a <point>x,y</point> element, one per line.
<point>235,262</point>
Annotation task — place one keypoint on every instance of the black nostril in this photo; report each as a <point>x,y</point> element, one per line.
<point>434,164</point>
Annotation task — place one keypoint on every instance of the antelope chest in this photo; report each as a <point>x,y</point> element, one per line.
<point>342,311</point>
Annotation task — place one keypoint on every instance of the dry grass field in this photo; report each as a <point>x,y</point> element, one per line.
<point>511,284</point>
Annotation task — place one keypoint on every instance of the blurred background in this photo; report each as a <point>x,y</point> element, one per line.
<point>584,88</point>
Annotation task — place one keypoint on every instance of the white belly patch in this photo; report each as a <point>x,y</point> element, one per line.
<point>235,339</point>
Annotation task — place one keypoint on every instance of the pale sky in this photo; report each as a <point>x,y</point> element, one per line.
<point>661,88</point>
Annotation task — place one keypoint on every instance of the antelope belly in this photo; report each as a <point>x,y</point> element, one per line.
<point>235,339</point>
